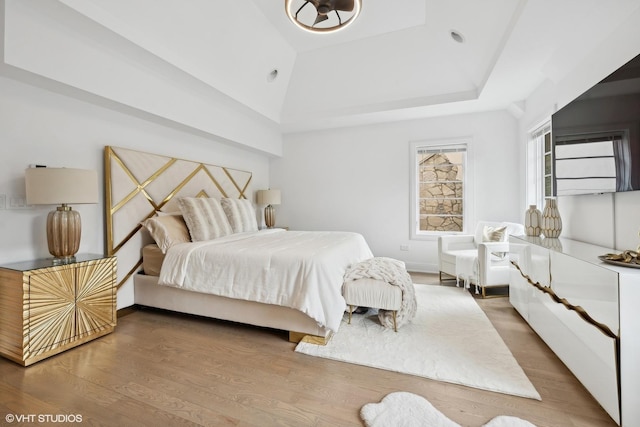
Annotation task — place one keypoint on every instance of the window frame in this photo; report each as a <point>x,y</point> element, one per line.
<point>467,190</point>
<point>535,165</point>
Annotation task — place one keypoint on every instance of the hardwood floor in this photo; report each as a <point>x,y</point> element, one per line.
<point>166,369</point>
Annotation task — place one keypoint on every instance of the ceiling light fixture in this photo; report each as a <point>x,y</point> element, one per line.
<point>323,16</point>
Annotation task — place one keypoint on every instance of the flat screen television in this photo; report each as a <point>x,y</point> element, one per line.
<point>596,137</point>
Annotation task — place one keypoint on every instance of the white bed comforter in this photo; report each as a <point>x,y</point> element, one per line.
<point>303,270</point>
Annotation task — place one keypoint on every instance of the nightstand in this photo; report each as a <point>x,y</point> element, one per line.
<point>46,309</point>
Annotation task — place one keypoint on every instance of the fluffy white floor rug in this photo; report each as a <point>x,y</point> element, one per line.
<point>450,339</point>
<point>402,409</point>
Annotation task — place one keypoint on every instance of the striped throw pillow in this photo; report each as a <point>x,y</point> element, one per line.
<point>241,214</point>
<point>205,218</point>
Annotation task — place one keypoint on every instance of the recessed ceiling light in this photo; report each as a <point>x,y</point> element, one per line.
<point>273,74</point>
<point>456,36</point>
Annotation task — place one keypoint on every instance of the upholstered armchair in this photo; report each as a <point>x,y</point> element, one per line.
<point>480,259</point>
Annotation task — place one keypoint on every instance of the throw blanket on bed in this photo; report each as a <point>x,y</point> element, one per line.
<point>393,272</point>
<point>303,270</point>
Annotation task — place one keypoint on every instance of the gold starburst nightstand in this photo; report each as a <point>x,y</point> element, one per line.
<point>47,309</point>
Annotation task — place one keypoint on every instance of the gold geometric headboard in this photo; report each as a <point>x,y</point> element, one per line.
<point>137,185</point>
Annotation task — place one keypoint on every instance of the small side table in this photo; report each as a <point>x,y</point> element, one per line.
<point>46,309</point>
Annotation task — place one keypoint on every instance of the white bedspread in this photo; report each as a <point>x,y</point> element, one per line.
<point>299,269</point>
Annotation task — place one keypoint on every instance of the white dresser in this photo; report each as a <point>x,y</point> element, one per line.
<point>588,313</point>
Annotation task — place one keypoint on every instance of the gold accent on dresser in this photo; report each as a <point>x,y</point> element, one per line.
<point>46,309</point>
<point>563,301</point>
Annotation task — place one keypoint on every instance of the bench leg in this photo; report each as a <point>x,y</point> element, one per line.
<point>395,325</point>
<point>350,311</point>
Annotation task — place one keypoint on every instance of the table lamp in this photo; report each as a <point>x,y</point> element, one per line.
<point>269,198</point>
<point>62,186</point>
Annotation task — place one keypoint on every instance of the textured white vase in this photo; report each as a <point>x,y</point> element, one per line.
<point>551,221</point>
<point>533,221</point>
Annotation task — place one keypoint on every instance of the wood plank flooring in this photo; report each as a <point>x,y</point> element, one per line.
<point>166,369</point>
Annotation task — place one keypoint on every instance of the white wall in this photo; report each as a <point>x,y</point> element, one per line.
<point>609,220</point>
<point>70,86</point>
<point>38,126</point>
<point>65,50</point>
<point>357,179</point>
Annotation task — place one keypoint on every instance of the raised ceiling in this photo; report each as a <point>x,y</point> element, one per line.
<point>397,61</point>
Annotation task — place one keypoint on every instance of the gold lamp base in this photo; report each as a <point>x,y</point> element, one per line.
<point>269,216</point>
<point>63,234</point>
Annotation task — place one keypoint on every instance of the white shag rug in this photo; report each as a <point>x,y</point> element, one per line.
<point>402,409</point>
<point>450,339</point>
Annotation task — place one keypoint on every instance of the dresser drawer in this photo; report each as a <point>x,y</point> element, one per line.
<point>584,349</point>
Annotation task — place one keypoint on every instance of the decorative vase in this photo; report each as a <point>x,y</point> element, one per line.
<point>533,221</point>
<point>551,221</point>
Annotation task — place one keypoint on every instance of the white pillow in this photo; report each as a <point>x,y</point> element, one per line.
<point>241,214</point>
<point>495,234</point>
<point>205,218</point>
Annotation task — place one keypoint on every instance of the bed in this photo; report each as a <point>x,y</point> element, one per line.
<point>287,280</point>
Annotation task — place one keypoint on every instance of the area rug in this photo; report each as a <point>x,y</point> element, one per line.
<point>450,339</point>
<point>410,410</point>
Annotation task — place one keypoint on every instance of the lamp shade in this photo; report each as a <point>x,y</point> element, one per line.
<point>268,197</point>
<point>57,186</point>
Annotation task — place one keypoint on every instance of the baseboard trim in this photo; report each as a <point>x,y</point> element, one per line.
<point>126,311</point>
<point>419,267</point>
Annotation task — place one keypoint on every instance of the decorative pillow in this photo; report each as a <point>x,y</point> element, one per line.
<point>495,234</point>
<point>241,214</point>
<point>167,230</point>
<point>204,217</point>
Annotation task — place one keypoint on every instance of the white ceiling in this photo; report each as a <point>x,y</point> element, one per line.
<point>397,61</point>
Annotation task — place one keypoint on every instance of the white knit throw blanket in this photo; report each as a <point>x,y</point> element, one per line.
<point>393,272</point>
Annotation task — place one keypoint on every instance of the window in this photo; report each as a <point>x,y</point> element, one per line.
<point>580,163</point>
<point>439,190</point>
<point>548,165</point>
<point>592,163</point>
<point>539,166</point>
